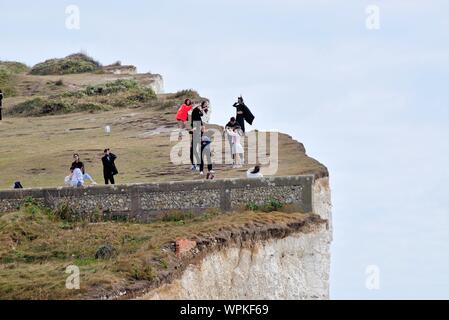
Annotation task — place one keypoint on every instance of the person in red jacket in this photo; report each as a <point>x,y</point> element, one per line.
<point>183,114</point>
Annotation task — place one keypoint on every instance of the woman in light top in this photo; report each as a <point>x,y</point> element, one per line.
<point>237,149</point>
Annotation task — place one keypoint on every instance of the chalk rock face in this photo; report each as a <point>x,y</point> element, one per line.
<point>295,267</point>
<point>158,84</point>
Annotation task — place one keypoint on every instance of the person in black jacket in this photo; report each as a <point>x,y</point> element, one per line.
<point>1,98</point>
<point>198,112</point>
<point>109,168</point>
<point>243,114</point>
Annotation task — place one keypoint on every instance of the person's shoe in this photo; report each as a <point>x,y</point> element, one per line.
<point>193,167</point>
<point>94,183</point>
<point>197,168</point>
<point>201,173</point>
<point>212,171</point>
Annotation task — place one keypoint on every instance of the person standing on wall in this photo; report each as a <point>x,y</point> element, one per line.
<point>109,168</point>
<point>1,98</point>
<point>243,114</point>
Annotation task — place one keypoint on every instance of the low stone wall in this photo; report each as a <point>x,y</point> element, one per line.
<point>144,202</point>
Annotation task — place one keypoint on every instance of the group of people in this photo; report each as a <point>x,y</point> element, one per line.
<point>200,146</point>
<point>78,175</point>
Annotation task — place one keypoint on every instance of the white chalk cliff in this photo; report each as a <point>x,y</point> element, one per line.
<point>294,267</point>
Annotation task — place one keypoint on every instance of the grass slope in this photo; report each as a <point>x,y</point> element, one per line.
<point>36,246</point>
<point>75,63</point>
<point>8,76</point>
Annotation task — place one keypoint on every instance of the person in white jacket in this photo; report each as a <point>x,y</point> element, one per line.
<point>254,173</point>
<point>237,149</point>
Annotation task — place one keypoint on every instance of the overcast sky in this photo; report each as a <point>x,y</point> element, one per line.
<point>372,105</point>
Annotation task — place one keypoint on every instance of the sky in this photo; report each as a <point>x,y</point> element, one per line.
<point>371,104</point>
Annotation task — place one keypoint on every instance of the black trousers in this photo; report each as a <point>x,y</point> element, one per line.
<point>109,178</point>
<point>205,151</point>
<point>241,121</point>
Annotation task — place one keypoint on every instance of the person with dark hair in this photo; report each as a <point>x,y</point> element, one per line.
<point>1,98</point>
<point>109,168</point>
<point>80,165</point>
<point>183,115</point>
<point>231,125</point>
<point>243,113</point>
<point>198,113</point>
<point>237,148</point>
<point>254,173</point>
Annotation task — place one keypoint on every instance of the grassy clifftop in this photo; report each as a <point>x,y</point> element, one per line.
<point>75,63</point>
<point>37,245</point>
<point>8,72</point>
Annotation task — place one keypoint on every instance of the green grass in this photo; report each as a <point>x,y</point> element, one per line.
<point>8,72</point>
<point>270,206</point>
<point>72,64</point>
<point>36,246</point>
<point>104,97</point>
<point>14,67</point>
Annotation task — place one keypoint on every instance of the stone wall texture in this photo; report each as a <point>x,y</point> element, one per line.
<point>144,202</point>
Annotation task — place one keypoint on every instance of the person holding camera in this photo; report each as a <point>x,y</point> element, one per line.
<point>109,168</point>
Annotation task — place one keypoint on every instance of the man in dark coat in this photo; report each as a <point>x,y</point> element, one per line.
<point>243,114</point>
<point>109,168</point>
<point>1,98</point>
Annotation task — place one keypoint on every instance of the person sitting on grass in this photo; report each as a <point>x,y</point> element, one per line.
<point>254,173</point>
<point>80,165</point>
<point>75,179</point>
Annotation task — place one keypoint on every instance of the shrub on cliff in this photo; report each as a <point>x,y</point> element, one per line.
<point>52,106</point>
<point>75,63</point>
<point>13,67</point>
<point>8,70</point>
